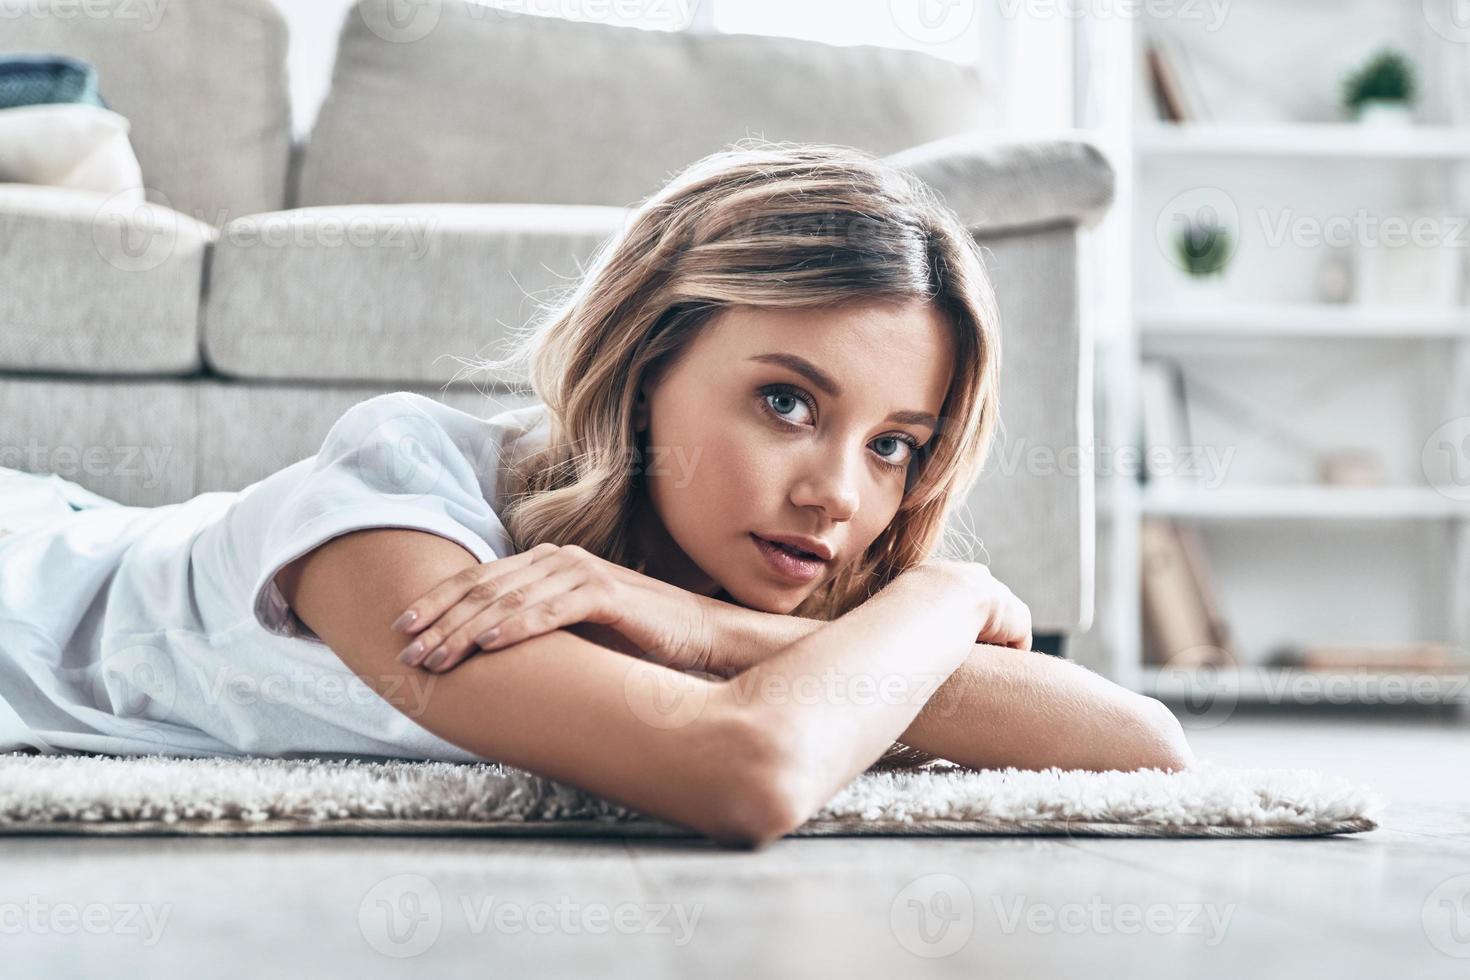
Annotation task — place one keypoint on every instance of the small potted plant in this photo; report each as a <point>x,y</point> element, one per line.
<point>1203,248</point>
<point>1382,91</point>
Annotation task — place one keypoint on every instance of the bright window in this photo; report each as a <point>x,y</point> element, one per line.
<point>946,28</point>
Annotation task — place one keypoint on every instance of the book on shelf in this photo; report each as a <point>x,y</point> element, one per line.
<point>1164,424</point>
<point>1176,90</point>
<point>1182,622</point>
<point>1420,657</point>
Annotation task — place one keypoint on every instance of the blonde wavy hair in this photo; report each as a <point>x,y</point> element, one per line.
<point>759,224</point>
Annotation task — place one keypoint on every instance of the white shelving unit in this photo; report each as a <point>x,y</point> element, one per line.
<point>1292,560</point>
<point>1307,502</point>
<point>1304,320</point>
<point>1326,140</point>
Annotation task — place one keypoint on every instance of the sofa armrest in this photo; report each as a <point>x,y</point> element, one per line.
<point>998,182</point>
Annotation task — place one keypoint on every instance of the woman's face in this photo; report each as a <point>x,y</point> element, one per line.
<point>743,442</point>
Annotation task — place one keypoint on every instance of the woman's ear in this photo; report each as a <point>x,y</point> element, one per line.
<point>640,412</point>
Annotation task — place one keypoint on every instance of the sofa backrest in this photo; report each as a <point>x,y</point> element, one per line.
<point>471,103</point>
<point>202,83</point>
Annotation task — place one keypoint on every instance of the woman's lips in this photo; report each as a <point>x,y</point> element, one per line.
<point>786,564</point>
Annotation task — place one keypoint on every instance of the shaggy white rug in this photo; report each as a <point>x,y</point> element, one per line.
<point>98,794</point>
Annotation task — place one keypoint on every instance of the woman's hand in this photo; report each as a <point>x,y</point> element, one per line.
<point>1007,618</point>
<point>548,587</point>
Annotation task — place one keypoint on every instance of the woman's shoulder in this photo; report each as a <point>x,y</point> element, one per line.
<point>403,413</point>
<point>403,437</point>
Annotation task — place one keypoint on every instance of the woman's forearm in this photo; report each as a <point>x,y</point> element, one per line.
<point>1005,707</point>
<point>1000,707</point>
<point>840,695</point>
<point>745,637</point>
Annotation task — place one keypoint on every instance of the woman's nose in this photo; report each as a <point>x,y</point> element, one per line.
<point>831,481</point>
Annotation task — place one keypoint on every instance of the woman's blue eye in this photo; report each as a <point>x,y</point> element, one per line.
<point>785,396</point>
<point>898,442</point>
<point>788,395</point>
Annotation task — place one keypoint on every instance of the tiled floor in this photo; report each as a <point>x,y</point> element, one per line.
<point>1390,903</point>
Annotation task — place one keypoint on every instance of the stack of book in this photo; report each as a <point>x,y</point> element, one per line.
<point>1414,658</point>
<point>1182,625</point>
<point>1176,92</point>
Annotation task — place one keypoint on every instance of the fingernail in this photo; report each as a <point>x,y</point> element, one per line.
<point>405,621</point>
<point>488,636</point>
<point>435,659</point>
<point>411,651</point>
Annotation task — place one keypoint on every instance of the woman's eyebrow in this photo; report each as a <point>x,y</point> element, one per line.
<point>828,384</point>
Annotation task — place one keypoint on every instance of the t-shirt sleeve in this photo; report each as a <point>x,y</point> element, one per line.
<point>388,461</point>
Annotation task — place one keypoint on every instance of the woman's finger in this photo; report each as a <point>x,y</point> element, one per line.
<point>432,604</point>
<point>549,603</point>
<point>505,589</point>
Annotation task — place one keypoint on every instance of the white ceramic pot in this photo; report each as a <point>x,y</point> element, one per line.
<point>1208,290</point>
<point>1392,113</point>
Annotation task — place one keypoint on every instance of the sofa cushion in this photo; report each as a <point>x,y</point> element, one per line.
<point>98,284</point>
<point>495,106</point>
<point>389,293</point>
<point>131,440</point>
<point>202,82</point>
<point>232,456</point>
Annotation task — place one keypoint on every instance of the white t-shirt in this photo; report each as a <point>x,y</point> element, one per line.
<point>134,630</point>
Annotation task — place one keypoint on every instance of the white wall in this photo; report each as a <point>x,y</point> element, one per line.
<point>314,25</point>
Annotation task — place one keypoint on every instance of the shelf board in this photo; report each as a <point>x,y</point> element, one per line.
<point>1213,698</point>
<point>1337,140</point>
<point>1305,320</point>
<point>1305,501</point>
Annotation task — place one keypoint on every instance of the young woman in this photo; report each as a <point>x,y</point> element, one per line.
<point>703,577</point>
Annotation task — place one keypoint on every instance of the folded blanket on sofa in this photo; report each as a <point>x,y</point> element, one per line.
<point>73,145</point>
<point>36,79</point>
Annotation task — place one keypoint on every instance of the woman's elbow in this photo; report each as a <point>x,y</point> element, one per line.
<point>762,800</point>
<point>1163,742</point>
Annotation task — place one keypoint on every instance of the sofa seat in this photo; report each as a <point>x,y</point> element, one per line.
<point>389,293</point>
<point>152,441</point>
<point>98,285</point>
